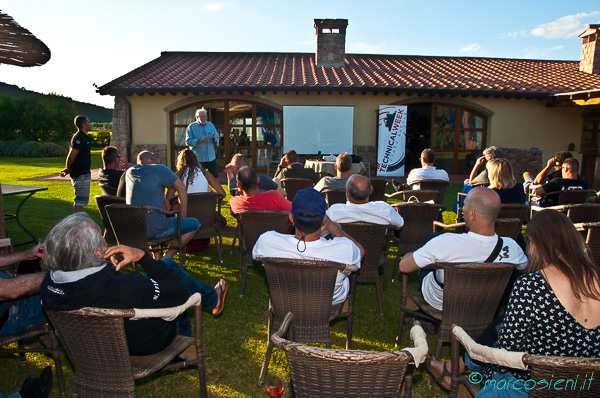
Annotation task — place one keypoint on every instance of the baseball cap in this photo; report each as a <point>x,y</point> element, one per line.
<point>311,203</point>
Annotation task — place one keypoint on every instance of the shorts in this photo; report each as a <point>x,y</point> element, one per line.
<point>81,186</point>
<point>187,225</point>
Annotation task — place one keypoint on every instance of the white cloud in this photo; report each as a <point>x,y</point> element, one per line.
<point>512,35</point>
<point>566,27</point>
<point>364,48</point>
<point>215,7</point>
<point>538,53</point>
<point>471,48</point>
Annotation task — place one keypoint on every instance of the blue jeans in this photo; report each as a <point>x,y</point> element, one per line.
<point>502,385</point>
<point>25,314</point>
<point>13,395</point>
<point>187,225</point>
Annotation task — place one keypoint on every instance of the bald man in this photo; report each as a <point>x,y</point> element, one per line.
<point>358,207</point>
<point>480,244</point>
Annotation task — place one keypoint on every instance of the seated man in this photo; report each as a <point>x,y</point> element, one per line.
<point>358,207</point>
<point>265,182</point>
<point>114,167</point>
<point>552,170</point>
<point>343,167</point>
<point>20,308</point>
<point>570,180</point>
<point>428,171</point>
<point>146,184</point>
<point>308,215</point>
<point>480,244</point>
<point>85,273</point>
<point>290,167</point>
<point>252,198</point>
<point>479,172</point>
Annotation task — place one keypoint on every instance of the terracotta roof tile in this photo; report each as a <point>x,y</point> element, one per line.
<point>202,71</point>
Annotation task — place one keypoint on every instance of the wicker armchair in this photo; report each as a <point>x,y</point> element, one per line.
<point>200,206</point>
<point>422,195</point>
<point>591,234</point>
<point>129,225</point>
<point>542,368</point>
<point>577,213</point>
<point>95,342</point>
<point>435,185</point>
<point>251,225</point>
<point>102,201</point>
<point>374,239</point>
<point>320,372</point>
<point>418,218</point>
<point>566,197</point>
<point>293,185</point>
<point>378,193</point>
<point>472,293</point>
<point>305,288</point>
<point>333,196</point>
<point>108,190</point>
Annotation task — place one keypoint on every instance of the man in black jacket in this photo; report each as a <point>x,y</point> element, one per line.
<point>85,273</point>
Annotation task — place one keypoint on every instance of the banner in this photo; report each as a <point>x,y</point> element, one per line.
<point>391,141</point>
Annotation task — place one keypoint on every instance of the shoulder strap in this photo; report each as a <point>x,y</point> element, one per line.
<point>496,251</point>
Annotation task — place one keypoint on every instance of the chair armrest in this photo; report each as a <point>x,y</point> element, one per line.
<point>152,209</point>
<point>447,226</point>
<point>168,314</point>
<point>278,337</point>
<point>420,347</point>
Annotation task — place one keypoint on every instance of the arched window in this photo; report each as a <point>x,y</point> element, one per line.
<point>253,129</point>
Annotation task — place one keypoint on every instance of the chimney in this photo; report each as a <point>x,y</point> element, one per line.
<point>590,50</point>
<point>331,42</point>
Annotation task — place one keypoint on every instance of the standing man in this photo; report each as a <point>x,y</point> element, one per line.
<point>202,137</point>
<point>78,163</point>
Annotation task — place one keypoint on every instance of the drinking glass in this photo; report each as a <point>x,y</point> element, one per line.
<point>274,385</point>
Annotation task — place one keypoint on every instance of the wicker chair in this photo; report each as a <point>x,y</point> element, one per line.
<point>333,196</point>
<point>418,218</point>
<point>591,234</point>
<point>435,185</point>
<point>293,185</point>
<point>566,197</point>
<point>577,213</point>
<point>378,193</point>
<point>374,239</point>
<point>200,206</point>
<point>95,342</point>
<point>472,293</point>
<point>251,225</point>
<point>102,201</point>
<point>510,227</point>
<point>129,225</point>
<point>422,195</point>
<point>305,288</point>
<point>542,368</point>
<point>321,372</point>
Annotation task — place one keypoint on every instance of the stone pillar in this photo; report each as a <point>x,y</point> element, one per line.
<point>120,128</point>
<point>331,42</point>
<point>590,50</point>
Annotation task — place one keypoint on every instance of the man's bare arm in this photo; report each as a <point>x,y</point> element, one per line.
<point>336,230</point>
<point>408,264</point>
<point>13,258</point>
<point>541,177</point>
<point>21,286</point>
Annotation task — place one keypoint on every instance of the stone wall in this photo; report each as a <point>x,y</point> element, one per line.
<point>368,154</point>
<point>159,150</point>
<point>120,128</point>
<point>524,160</point>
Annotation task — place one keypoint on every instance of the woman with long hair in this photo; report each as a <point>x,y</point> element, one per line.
<point>502,180</point>
<point>193,176</point>
<point>554,309</point>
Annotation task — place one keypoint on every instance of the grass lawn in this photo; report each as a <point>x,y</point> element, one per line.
<point>234,343</point>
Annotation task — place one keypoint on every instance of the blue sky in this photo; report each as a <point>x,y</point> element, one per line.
<point>98,41</point>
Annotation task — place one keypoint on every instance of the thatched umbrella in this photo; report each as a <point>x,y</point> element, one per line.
<point>18,46</point>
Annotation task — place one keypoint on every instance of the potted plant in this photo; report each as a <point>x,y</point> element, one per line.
<point>571,146</point>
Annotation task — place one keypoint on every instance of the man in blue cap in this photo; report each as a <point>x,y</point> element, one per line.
<point>316,238</point>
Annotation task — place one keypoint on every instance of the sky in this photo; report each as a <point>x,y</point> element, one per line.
<point>95,42</point>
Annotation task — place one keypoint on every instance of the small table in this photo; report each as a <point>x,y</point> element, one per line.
<point>13,189</point>
<point>329,167</point>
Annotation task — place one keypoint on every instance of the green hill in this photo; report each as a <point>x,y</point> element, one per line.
<point>98,114</point>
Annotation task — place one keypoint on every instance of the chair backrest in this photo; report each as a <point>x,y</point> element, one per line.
<point>304,288</point>
<point>293,185</point>
<point>418,221</point>
<point>256,222</point>
<point>108,190</point>
<point>373,238</point>
<point>514,210</point>
<point>591,234</point>
<point>321,372</point>
<point>378,193</point>
<point>95,342</point>
<point>583,212</point>
<point>422,195</point>
<point>510,227</point>
<point>203,207</point>
<point>472,293</point>
<point>129,224</point>
<point>436,185</point>
<point>575,372</point>
<point>333,196</point>
<point>573,196</point>
<point>102,201</point>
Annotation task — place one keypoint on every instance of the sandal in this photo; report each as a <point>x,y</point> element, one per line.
<point>440,378</point>
<point>221,302</point>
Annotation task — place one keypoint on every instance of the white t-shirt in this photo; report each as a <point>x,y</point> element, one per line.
<point>426,173</point>
<point>341,250</point>
<point>199,185</point>
<point>460,248</point>
<point>373,212</point>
